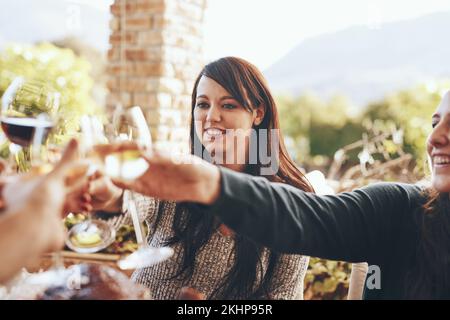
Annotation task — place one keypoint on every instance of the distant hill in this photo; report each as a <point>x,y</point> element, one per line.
<point>361,63</point>
<point>365,64</point>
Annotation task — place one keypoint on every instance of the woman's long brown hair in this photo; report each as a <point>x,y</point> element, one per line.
<point>248,86</point>
<point>429,277</point>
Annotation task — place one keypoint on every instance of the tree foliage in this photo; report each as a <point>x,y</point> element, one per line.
<point>61,70</point>
<point>316,129</point>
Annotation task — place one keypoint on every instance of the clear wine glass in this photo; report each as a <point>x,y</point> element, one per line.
<point>43,159</point>
<point>28,106</point>
<point>92,235</point>
<point>130,125</point>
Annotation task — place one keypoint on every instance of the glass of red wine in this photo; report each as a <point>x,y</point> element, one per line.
<point>28,107</point>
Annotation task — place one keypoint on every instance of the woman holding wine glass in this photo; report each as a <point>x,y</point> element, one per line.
<point>229,94</point>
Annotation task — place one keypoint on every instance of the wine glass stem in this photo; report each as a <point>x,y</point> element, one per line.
<point>57,260</point>
<point>136,223</point>
<point>90,172</point>
<point>13,159</point>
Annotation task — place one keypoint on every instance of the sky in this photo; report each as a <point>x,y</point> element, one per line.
<point>263,31</point>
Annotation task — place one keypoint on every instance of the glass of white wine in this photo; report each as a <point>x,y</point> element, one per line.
<point>127,125</point>
<point>128,165</point>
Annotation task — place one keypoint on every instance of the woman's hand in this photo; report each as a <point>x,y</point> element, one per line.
<point>31,222</point>
<point>181,178</point>
<point>15,188</point>
<point>41,198</point>
<point>104,194</point>
<point>78,199</point>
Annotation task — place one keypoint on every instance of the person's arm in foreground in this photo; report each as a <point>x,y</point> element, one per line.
<point>355,226</point>
<point>31,223</point>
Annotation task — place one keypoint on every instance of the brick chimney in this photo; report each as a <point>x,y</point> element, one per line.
<point>155,55</point>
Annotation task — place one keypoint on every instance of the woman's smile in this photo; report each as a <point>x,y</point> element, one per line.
<point>213,133</point>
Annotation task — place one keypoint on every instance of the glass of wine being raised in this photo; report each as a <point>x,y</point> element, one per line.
<point>28,106</point>
<point>127,125</point>
<point>128,165</point>
<point>92,235</point>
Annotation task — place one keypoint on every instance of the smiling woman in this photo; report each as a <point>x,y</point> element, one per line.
<point>223,125</point>
<point>230,99</point>
<point>438,146</point>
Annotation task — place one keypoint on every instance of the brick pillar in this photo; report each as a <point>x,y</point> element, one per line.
<point>155,55</point>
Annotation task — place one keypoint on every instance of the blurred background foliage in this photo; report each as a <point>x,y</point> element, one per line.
<point>63,71</point>
<point>315,129</point>
<point>327,280</point>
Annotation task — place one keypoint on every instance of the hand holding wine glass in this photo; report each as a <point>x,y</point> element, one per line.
<point>92,235</point>
<point>104,195</point>
<point>44,191</point>
<point>175,178</point>
<point>128,125</point>
<point>127,164</point>
<point>32,219</point>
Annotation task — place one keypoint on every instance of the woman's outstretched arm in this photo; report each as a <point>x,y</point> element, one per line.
<point>354,226</point>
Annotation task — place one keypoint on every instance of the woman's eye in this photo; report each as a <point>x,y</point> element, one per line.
<point>434,124</point>
<point>229,106</point>
<point>202,105</point>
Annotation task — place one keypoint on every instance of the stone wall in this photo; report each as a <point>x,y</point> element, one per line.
<point>155,55</point>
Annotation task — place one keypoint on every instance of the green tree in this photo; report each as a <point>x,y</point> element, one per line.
<point>316,128</point>
<point>410,110</point>
<point>61,70</point>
